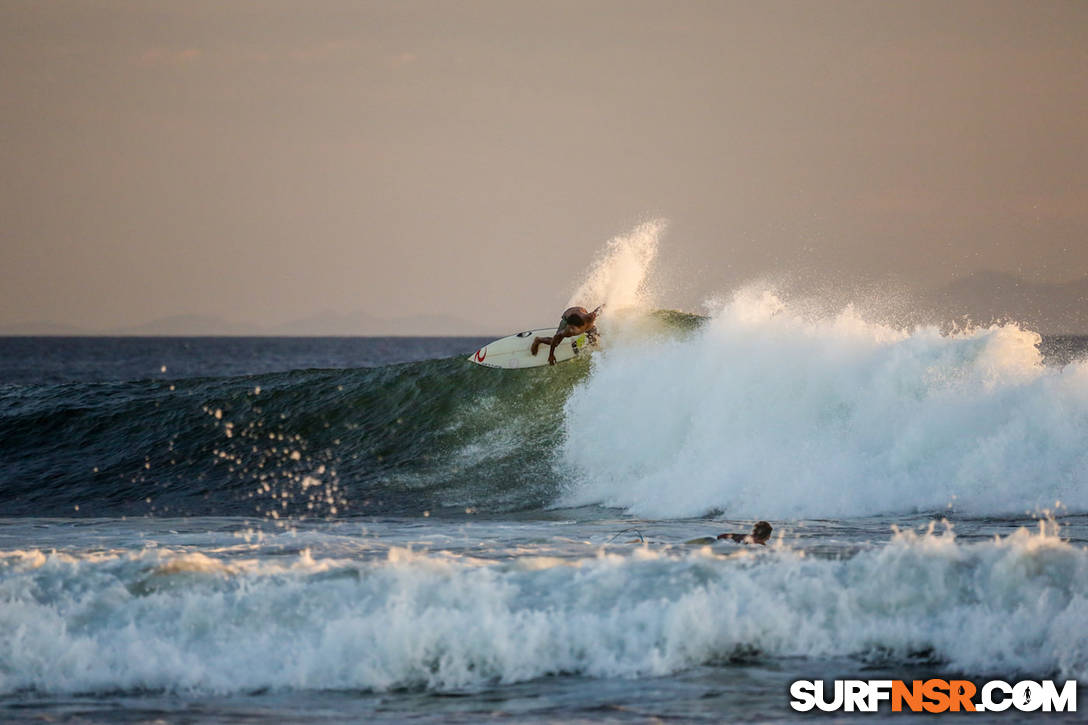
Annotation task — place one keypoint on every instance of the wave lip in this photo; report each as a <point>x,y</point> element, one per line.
<point>764,413</point>
<point>196,624</point>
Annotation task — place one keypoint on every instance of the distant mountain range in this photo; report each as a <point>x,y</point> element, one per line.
<point>39,329</point>
<point>324,324</point>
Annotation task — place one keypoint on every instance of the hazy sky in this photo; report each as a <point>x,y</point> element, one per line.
<point>264,161</point>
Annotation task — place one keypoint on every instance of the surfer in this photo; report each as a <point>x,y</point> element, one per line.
<point>574,322</point>
<point>760,533</point>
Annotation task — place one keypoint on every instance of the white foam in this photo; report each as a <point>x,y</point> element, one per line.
<point>768,413</point>
<point>134,621</point>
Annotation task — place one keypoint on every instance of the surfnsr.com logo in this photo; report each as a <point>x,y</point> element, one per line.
<point>934,696</point>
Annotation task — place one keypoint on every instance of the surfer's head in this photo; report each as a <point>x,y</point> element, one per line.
<point>579,317</point>
<point>761,531</point>
<point>575,316</point>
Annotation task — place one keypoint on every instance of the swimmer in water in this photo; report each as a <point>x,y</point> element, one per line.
<point>760,533</point>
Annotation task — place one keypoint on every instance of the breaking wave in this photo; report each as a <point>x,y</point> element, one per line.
<point>767,412</point>
<point>159,620</point>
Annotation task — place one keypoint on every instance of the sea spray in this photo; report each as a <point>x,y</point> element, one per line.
<point>619,277</point>
<point>767,412</point>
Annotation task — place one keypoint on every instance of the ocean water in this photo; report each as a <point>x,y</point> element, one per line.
<point>374,529</point>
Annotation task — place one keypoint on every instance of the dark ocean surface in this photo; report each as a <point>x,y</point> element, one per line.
<point>332,529</point>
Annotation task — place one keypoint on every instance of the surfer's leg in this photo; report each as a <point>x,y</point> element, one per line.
<point>538,342</point>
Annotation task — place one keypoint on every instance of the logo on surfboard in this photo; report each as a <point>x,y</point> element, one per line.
<point>481,354</point>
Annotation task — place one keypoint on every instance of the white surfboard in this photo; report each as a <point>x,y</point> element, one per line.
<point>514,352</point>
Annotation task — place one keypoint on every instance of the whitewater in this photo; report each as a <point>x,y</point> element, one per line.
<point>216,530</point>
<point>764,413</point>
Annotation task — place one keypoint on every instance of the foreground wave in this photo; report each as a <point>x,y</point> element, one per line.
<point>197,623</point>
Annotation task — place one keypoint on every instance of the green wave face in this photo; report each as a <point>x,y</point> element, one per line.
<point>431,436</point>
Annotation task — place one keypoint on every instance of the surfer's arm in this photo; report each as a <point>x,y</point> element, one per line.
<point>537,342</point>
<point>593,332</point>
<point>561,333</point>
<point>557,338</point>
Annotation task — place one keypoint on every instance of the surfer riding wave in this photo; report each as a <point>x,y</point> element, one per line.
<point>574,322</point>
